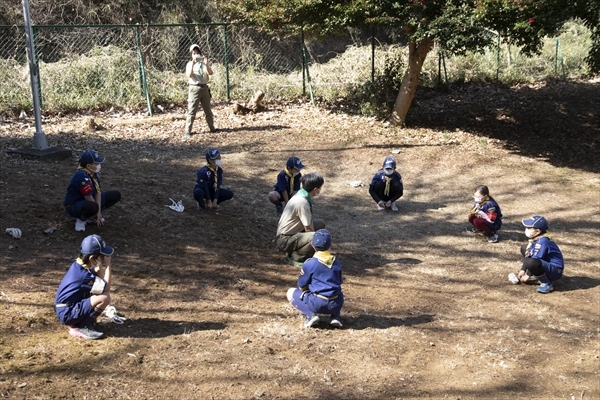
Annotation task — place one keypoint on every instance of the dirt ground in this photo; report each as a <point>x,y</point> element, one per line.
<point>429,312</point>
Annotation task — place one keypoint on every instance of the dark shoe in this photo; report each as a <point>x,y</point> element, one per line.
<point>215,130</point>
<point>201,206</point>
<point>291,261</point>
<point>493,238</point>
<point>278,209</point>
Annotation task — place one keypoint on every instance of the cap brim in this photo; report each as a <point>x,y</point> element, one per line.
<point>99,160</point>
<point>299,166</point>
<point>107,251</point>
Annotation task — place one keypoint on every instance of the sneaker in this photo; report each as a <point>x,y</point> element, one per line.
<point>278,209</point>
<point>201,207</point>
<point>472,231</point>
<point>512,278</point>
<point>379,208</point>
<point>545,287</point>
<point>291,261</point>
<point>310,321</point>
<point>335,323</point>
<point>493,238</point>
<point>79,225</point>
<point>85,333</point>
<point>394,207</point>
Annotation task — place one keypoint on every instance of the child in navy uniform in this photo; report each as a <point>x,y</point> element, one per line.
<point>84,199</point>
<point>288,183</point>
<point>84,291</point>
<point>208,191</point>
<point>542,260</point>
<point>485,215</point>
<point>386,186</point>
<point>320,284</point>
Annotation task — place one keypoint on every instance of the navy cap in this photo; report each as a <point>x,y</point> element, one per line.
<point>322,239</point>
<point>536,222</point>
<point>95,245</point>
<point>211,154</point>
<point>389,162</point>
<point>90,157</point>
<point>294,162</point>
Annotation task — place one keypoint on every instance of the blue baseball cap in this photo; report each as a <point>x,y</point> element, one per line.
<point>322,239</point>
<point>294,162</point>
<point>211,154</point>
<point>94,245</point>
<point>90,157</point>
<point>536,222</point>
<point>389,162</point>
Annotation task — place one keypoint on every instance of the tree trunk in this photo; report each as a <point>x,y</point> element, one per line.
<point>416,56</point>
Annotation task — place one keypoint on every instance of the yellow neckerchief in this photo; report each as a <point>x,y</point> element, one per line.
<point>214,171</point>
<point>325,258</point>
<point>84,265</point>
<point>476,206</point>
<point>533,239</point>
<point>289,173</point>
<point>91,175</point>
<point>388,181</point>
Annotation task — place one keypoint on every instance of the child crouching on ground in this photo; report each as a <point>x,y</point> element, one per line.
<point>542,260</point>
<point>320,284</point>
<point>485,215</point>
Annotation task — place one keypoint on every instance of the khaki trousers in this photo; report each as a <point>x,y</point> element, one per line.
<point>298,245</point>
<point>198,95</point>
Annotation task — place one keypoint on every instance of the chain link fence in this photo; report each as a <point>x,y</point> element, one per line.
<point>89,67</point>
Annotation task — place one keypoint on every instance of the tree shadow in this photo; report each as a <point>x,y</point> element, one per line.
<point>556,122</point>
<point>153,328</point>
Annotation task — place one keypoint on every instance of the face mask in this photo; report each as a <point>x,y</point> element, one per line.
<point>529,233</point>
<point>388,171</point>
<point>98,168</point>
<point>218,163</point>
<point>478,199</point>
<point>296,173</point>
<point>196,57</point>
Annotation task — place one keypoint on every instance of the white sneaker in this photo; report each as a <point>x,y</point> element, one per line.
<point>513,279</point>
<point>79,225</point>
<point>379,208</point>
<point>394,207</point>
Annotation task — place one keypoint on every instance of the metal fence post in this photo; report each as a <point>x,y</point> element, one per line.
<point>142,70</point>
<point>37,63</point>
<point>312,99</point>
<point>303,64</point>
<point>498,58</point>
<point>226,60</point>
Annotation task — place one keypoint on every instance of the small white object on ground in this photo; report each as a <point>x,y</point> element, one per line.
<point>110,315</point>
<point>14,232</point>
<point>176,206</point>
<point>355,183</point>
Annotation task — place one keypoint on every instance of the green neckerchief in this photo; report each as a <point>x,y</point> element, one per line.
<point>303,192</point>
<point>533,239</point>
<point>325,258</point>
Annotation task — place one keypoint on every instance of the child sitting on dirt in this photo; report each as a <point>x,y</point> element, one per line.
<point>208,191</point>
<point>543,260</point>
<point>84,292</point>
<point>386,186</point>
<point>485,215</point>
<point>288,183</point>
<point>320,284</point>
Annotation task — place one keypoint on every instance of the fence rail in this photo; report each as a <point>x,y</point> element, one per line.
<point>91,66</point>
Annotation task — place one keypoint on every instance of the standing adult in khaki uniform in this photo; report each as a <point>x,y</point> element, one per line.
<point>296,226</point>
<point>198,71</point>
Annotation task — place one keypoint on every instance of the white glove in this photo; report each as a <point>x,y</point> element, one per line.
<point>14,232</point>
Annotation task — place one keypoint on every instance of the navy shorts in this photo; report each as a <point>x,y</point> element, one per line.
<point>74,313</point>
